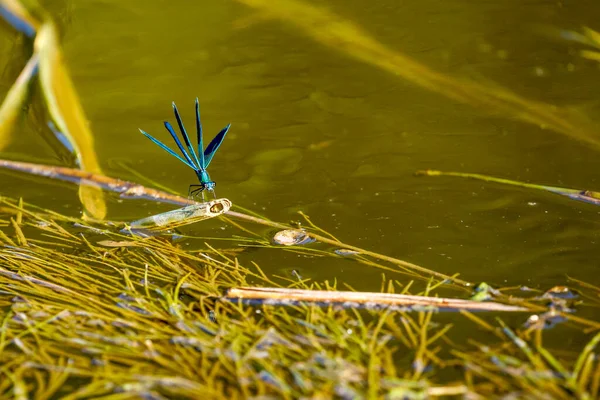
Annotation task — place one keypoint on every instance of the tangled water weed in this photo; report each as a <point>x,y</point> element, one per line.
<point>89,311</point>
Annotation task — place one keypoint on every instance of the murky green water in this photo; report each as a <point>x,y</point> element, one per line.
<point>317,130</point>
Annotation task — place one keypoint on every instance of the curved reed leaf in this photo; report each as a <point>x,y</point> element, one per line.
<point>67,113</point>
<point>21,19</point>
<point>13,102</point>
<point>587,196</point>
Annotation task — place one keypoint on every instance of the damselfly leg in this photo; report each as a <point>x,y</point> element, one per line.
<point>194,191</point>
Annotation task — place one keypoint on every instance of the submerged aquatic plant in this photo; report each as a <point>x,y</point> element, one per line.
<point>90,311</point>
<point>530,371</point>
<point>147,315</point>
<point>587,196</point>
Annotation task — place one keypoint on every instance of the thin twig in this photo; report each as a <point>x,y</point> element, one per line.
<point>368,299</point>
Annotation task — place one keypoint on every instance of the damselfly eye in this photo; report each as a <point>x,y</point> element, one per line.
<point>216,208</point>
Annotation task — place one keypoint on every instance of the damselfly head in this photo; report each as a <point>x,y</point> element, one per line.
<point>197,191</point>
<point>210,186</point>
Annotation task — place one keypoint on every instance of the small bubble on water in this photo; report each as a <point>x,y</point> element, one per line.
<point>539,72</point>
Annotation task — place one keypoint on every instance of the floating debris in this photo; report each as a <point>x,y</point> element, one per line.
<point>546,320</point>
<point>183,216</point>
<point>561,292</point>
<point>484,292</point>
<point>369,300</point>
<point>292,237</point>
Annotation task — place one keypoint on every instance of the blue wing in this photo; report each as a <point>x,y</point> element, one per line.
<point>167,149</point>
<point>213,146</point>
<point>178,142</point>
<point>186,139</point>
<point>199,132</point>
